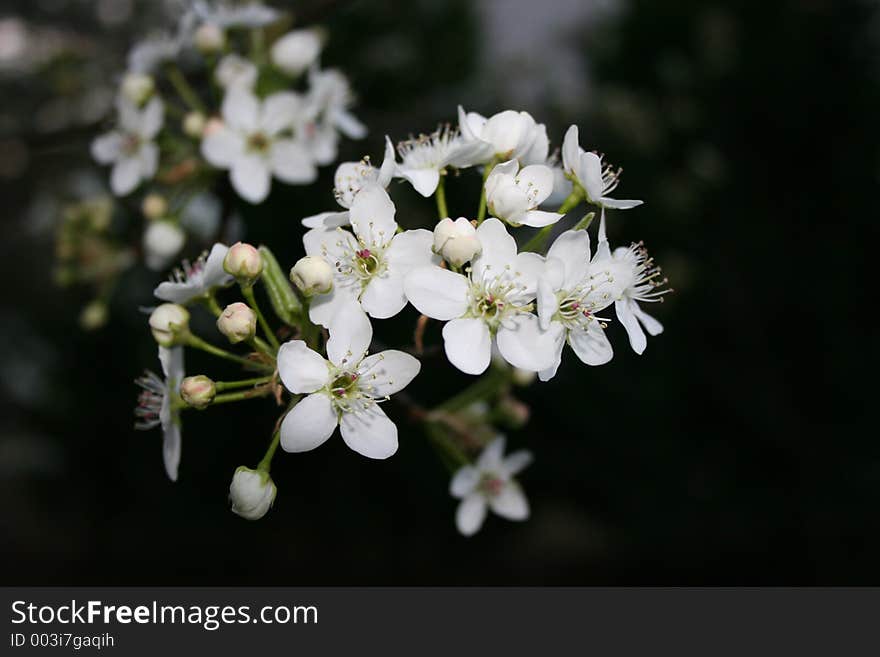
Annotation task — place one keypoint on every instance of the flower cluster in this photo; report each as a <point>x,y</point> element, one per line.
<point>229,98</point>
<point>508,308</point>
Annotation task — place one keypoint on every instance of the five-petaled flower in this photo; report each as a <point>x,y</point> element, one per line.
<point>490,484</point>
<point>196,280</point>
<point>493,301</point>
<point>344,389</point>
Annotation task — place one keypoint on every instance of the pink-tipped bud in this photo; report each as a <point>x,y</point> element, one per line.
<point>198,391</point>
<point>237,322</point>
<point>244,262</point>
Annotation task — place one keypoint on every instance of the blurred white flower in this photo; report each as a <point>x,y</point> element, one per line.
<point>156,405</point>
<point>330,98</point>
<point>492,302</point>
<point>296,51</point>
<point>424,157</point>
<point>234,71</point>
<point>514,194</point>
<point>130,147</point>
<point>193,281</point>
<point>597,179</point>
<point>254,143</point>
<point>372,263</point>
<point>137,87</point>
<point>490,484</point>
<point>148,54</point>
<point>162,241</point>
<point>345,390</point>
<point>236,14</point>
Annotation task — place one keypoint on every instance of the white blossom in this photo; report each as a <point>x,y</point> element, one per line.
<point>254,143</point>
<point>236,14</point>
<point>345,389</point>
<point>456,241</point>
<point>597,179</point>
<point>251,493</point>
<point>371,263</point>
<point>193,281</point>
<point>148,54</point>
<point>156,405</point>
<point>162,241</point>
<point>490,484</point>
<point>505,135</point>
<point>493,301</point>
<point>514,194</point>
<point>330,98</point>
<point>235,71</point>
<point>130,147</point>
<point>424,158</point>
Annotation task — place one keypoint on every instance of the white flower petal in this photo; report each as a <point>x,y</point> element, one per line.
<point>388,372</point>
<point>619,204</point>
<point>652,326</point>
<point>571,150</point>
<point>222,147</point>
<point>410,249</point>
<point>492,456</point>
<point>468,345</point>
<point>251,178</point>
<point>291,162</point>
<point>548,304</point>
<point>470,514</point>
<point>148,158</point>
<point>151,118</point>
<point>464,481</point>
<point>572,249</point>
<point>515,463</point>
<point>589,174</point>
<point>214,274</point>
<point>637,339</point>
<point>424,181</point>
<point>389,164</point>
<point>539,218</point>
<point>537,179</point>
<point>510,503</point>
<point>107,148</point>
<point>301,369</point>
<point>125,176</point>
<point>329,243</point>
<point>550,372</point>
<point>523,344</point>
<point>350,335</point>
<point>326,220</point>
<point>309,424</point>
<point>499,248</point>
<point>279,111</point>
<point>349,125</point>
<point>384,296</point>
<point>324,307</point>
<point>241,110</point>
<point>372,215</point>
<point>591,344</point>
<point>437,293</point>
<point>370,433</point>
<point>171,447</point>
<point>529,268</point>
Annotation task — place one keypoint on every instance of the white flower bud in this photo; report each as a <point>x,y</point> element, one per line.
<point>296,51</point>
<point>154,206</point>
<point>243,261</point>
<point>251,493</point>
<point>456,241</point>
<point>209,38</point>
<point>198,391</point>
<point>194,124</point>
<point>169,324</point>
<point>137,87</point>
<point>162,241</point>
<point>237,322</point>
<point>312,275</point>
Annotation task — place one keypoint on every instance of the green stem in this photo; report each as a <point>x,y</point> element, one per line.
<point>577,195</point>
<point>266,464</point>
<point>254,393</point>
<point>212,304</point>
<point>481,211</point>
<point>451,455</point>
<point>184,90</point>
<point>248,292</point>
<point>484,388</point>
<point>242,383</point>
<point>197,343</point>
<point>440,195</point>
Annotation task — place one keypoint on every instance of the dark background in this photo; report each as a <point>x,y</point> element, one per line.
<point>737,450</point>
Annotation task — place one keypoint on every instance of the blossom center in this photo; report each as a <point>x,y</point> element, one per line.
<point>494,298</point>
<point>490,484</point>
<point>258,142</point>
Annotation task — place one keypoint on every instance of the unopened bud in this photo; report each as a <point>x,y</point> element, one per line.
<point>513,412</point>
<point>162,242</point>
<point>296,51</point>
<point>237,322</point>
<point>456,241</point>
<point>154,206</point>
<point>194,124</point>
<point>522,377</point>
<point>251,493</point>
<point>244,262</point>
<point>209,38</point>
<point>169,324</point>
<point>312,275</point>
<point>137,87</point>
<point>93,316</point>
<point>212,125</point>
<point>198,391</point>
